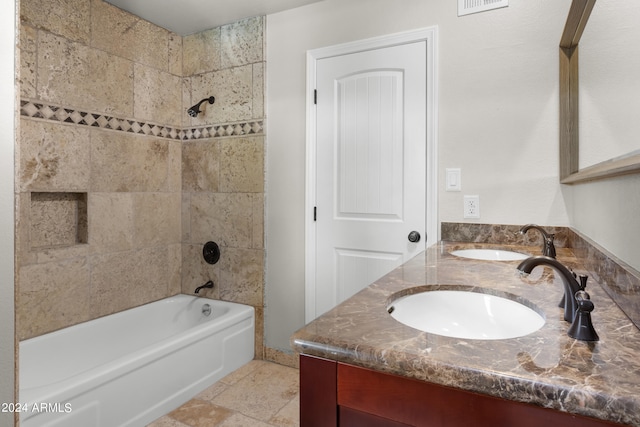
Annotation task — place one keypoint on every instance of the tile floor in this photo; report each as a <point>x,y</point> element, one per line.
<point>260,394</point>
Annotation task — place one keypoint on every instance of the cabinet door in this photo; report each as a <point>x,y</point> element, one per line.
<point>318,404</point>
<point>423,404</point>
<point>336,394</point>
<point>351,418</point>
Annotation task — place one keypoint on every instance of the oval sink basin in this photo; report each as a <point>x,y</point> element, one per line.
<point>465,314</point>
<point>489,254</point>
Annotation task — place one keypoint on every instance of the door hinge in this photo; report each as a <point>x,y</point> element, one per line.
<point>315,96</point>
<point>315,213</point>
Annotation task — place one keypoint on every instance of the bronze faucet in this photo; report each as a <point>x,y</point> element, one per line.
<point>548,248</point>
<point>209,284</point>
<point>577,303</point>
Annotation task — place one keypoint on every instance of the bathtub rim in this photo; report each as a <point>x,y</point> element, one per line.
<point>67,388</point>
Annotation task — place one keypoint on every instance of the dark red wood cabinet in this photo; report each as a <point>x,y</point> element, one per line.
<point>338,394</point>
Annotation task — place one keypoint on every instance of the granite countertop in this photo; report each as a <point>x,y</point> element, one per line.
<point>546,368</point>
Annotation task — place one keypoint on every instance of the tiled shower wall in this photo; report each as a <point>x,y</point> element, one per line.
<point>116,187</point>
<point>223,178</point>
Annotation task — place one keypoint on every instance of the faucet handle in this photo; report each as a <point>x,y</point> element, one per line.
<point>582,327</point>
<point>549,247</point>
<point>583,281</point>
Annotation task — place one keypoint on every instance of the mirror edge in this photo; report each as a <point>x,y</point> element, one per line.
<point>569,141</point>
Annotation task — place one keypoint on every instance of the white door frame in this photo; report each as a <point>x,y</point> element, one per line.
<point>429,35</point>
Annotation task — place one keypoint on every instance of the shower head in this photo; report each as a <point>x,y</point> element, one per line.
<point>193,111</point>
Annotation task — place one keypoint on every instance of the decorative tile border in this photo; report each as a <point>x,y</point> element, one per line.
<point>54,113</point>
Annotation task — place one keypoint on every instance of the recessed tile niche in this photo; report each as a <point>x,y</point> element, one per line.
<point>58,219</point>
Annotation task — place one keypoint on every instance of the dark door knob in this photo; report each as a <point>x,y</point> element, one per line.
<point>414,237</point>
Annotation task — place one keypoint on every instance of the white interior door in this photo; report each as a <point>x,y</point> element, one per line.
<point>371,166</point>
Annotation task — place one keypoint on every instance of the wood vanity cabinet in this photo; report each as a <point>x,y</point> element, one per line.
<point>338,394</point>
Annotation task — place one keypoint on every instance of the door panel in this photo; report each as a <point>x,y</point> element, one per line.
<point>358,268</point>
<point>370,167</point>
<point>369,146</point>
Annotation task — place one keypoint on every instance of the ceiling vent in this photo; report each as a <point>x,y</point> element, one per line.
<point>467,7</point>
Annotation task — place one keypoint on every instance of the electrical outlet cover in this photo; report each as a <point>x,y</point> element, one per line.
<point>471,207</point>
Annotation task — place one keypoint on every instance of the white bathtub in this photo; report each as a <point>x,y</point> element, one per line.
<point>132,367</point>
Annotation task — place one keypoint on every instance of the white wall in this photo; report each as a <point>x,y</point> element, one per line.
<point>608,212</point>
<point>498,119</point>
<point>7,136</point>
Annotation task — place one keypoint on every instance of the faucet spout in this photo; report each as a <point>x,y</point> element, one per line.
<point>548,248</point>
<point>571,285</point>
<point>209,284</point>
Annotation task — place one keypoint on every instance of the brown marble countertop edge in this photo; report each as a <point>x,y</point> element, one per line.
<point>543,392</point>
<point>503,386</point>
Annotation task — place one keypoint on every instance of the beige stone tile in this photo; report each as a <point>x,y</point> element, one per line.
<point>198,413</point>
<point>186,217</point>
<point>291,360</point>
<point>175,54</point>
<point>60,254</point>
<point>258,90</point>
<point>126,162</point>
<point>201,52</point>
<point>57,219</point>
<point>211,392</point>
<point>123,34</point>
<point>157,96</point>
<point>242,42</point>
<point>68,18</point>
<point>24,255</point>
<point>262,393</point>
<point>259,332</point>
<point>53,157</point>
<point>111,222</point>
<point>174,178</point>
<point>167,421</point>
<point>28,61</point>
<point>289,416</point>
<point>257,240</point>
<point>74,75</point>
<point>156,219</point>
<point>225,218</point>
<point>196,272</point>
<point>232,89</point>
<point>241,276</point>
<point>242,165</point>
<point>200,165</point>
<point>175,269</point>
<point>151,281</point>
<point>127,279</point>
<point>239,420</point>
<point>186,102</point>
<point>52,296</point>
<point>242,372</point>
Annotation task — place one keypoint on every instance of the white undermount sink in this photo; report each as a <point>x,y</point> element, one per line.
<point>489,254</point>
<point>466,314</point>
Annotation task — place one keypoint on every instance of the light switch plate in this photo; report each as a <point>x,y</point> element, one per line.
<point>453,177</point>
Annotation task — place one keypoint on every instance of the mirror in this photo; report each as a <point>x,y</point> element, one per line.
<point>609,95</point>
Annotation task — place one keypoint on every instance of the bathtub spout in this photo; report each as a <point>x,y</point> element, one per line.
<point>209,284</point>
